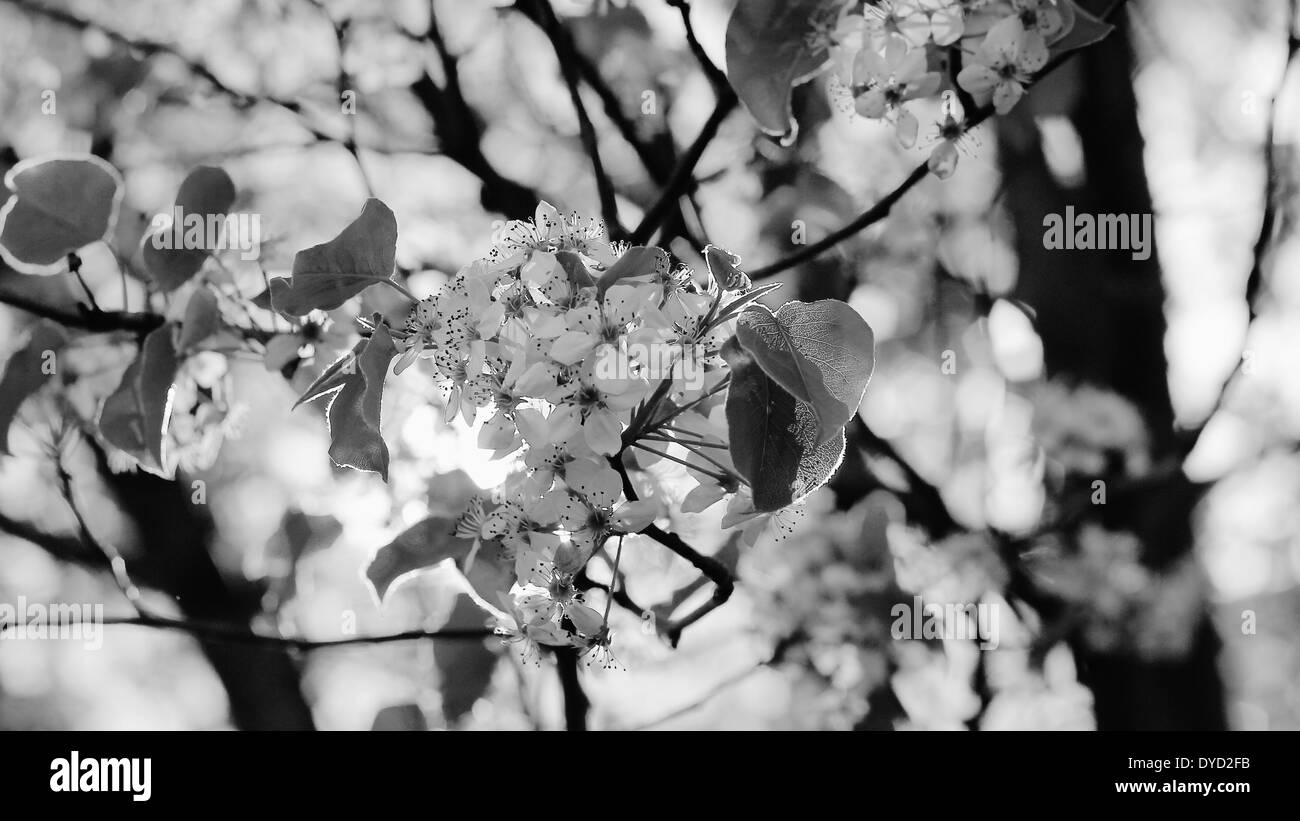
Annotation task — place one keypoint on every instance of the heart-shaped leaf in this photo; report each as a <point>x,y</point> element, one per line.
<point>170,255</point>
<point>134,417</point>
<point>327,275</point>
<point>26,371</point>
<point>774,436</point>
<point>424,545</point>
<point>58,206</point>
<point>821,352</point>
<point>353,414</point>
<point>772,46</point>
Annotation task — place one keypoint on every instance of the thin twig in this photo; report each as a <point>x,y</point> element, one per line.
<point>238,634</point>
<point>715,75</point>
<point>715,571</point>
<point>460,131</point>
<point>619,595</point>
<point>656,157</point>
<point>74,267</point>
<point>924,501</point>
<point>116,562</point>
<point>716,476</point>
<point>867,218</point>
<point>345,85</point>
<point>565,54</point>
<point>682,178</point>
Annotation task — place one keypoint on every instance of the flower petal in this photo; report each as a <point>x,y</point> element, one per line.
<point>633,517</point>
<point>572,347</point>
<point>602,432</point>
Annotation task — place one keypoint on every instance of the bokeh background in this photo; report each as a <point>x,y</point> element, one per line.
<point>1127,616</point>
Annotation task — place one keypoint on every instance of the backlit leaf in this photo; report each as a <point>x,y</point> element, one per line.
<point>327,275</point>
<point>420,547</point>
<point>772,46</point>
<point>134,417</point>
<point>821,352</point>
<point>774,436</point>
<point>58,206</point>
<point>353,414</point>
<point>207,195</point>
<point>30,367</point>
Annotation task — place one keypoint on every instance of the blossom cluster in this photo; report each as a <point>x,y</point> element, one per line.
<point>885,54</point>
<point>831,606</point>
<point>1086,431</point>
<point>555,343</point>
<point>1123,605</point>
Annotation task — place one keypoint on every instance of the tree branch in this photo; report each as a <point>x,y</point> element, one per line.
<point>716,77</point>
<point>923,500</point>
<point>657,156</point>
<point>1269,220</point>
<point>681,182</point>
<point>576,702</point>
<point>239,634</point>
<point>620,594</point>
<point>116,562</point>
<point>683,179</point>
<point>460,132</point>
<point>93,320</point>
<point>717,572</point>
<point>566,54</point>
<point>343,85</point>
<point>87,319</point>
<point>864,220</point>
<point>65,548</point>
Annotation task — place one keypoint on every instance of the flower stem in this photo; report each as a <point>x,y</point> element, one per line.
<point>613,580</point>
<point>401,289</point>
<point>718,477</point>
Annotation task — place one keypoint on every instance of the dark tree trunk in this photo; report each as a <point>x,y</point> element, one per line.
<point>175,538</point>
<point>1101,318</point>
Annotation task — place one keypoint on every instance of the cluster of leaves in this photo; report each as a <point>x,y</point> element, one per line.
<point>172,405</point>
